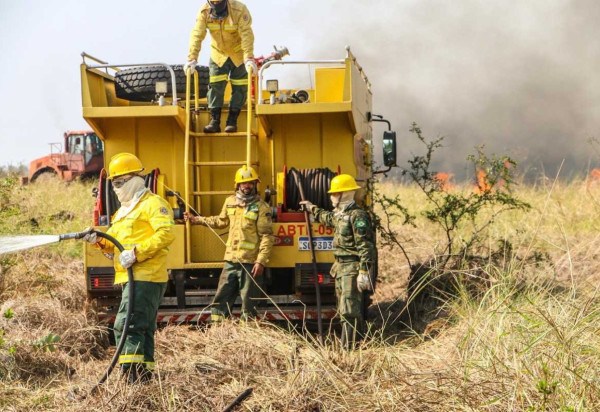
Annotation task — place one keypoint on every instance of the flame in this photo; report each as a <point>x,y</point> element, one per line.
<point>595,174</point>
<point>482,185</point>
<point>443,179</point>
<point>594,177</point>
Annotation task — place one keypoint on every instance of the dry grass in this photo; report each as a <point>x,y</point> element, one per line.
<point>531,341</point>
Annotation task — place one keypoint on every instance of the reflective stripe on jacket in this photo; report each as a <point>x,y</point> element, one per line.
<point>232,37</point>
<point>148,228</point>
<point>250,230</point>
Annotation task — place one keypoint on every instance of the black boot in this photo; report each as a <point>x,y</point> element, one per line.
<point>347,336</point>
<point>232,121</point>
<point>352,333</point>
<point>135,373</point>
<point>130,373</point>
<point>146,375</point>
<point>215,121</point>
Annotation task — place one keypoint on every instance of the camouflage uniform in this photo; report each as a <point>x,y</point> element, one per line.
<point>354,250</point>
<point>250,241</point>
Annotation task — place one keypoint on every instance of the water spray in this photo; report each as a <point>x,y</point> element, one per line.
<point>11,244</point>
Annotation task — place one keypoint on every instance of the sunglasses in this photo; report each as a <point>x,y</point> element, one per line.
<point>120,181</point>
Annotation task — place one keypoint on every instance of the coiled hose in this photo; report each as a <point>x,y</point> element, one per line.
<point>315,184</point>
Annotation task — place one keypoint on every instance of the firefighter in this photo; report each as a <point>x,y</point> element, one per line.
<point>231,57</point>
<point>144,226</point>
<point>248,246</point>
<point>354,252</point>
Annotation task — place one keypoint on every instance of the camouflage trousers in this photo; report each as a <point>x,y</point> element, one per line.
<point>349,301</point>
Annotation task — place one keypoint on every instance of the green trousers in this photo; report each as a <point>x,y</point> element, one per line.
<point>139,344</point>
<point>219,76</point>
<point>235,280</point>
<point>349,303</point>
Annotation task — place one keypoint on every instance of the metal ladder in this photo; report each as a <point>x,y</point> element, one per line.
<point>192,174</point>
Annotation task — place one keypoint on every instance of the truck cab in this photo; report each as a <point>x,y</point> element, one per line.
<point>81,154</point>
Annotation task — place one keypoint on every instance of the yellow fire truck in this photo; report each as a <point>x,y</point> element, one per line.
<point>157,113</point>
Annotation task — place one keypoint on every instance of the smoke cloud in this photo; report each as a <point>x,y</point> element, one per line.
<point>520,78</point>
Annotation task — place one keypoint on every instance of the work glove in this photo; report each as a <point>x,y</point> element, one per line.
<point>191,65</point>
<point>251,64</point>
<point>127,258</point>
<point>91,236</point>
<point>307,205</point>
<point>363,281</point>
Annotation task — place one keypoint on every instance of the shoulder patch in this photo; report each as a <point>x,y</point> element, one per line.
<point>164,211</point>
<point>360,223</point>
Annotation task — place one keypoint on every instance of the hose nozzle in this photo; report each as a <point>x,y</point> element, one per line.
<point>75,235</point>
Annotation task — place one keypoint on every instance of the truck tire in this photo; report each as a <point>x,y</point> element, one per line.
<point>43,174</point>
<point>137,83</point>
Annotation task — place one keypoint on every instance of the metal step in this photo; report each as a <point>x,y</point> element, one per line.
<point>222,134</point>
<point>224,163</point>
<point>202,315</point>
<point>213,193</point>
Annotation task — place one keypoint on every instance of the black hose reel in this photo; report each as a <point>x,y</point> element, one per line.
<point>315,184</point>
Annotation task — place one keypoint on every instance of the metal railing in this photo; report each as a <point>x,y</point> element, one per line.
<point>349,55</point>
<point>282,63</point>
<point>117,67</point>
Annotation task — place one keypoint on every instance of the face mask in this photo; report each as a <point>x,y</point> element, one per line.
<point>218,10</point>
<point>335,199</point>
<point>126,192</point>
<point>343,199</point>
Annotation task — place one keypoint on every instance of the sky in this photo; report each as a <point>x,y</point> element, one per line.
<point>521,78</point>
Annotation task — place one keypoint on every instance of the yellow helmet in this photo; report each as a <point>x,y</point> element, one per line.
<point>245,174</point>
<point>124,164</point>
<point>343,183</point>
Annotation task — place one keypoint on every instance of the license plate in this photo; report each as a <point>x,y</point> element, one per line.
<point>319,243</point>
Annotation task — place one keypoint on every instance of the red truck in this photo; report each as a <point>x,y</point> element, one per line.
<point>81,155</point>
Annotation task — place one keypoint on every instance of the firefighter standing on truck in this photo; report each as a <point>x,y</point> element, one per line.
<point>354,252</point>
<point>144,227</point>
<point>231,57</point>
<point>248,246</point>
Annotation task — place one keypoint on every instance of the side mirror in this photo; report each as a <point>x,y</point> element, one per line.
<point>389,148</point>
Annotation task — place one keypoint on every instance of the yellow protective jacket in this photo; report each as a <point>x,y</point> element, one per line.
<point>148,228</point>
<point>232,37</point>
<point>250,230</point>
